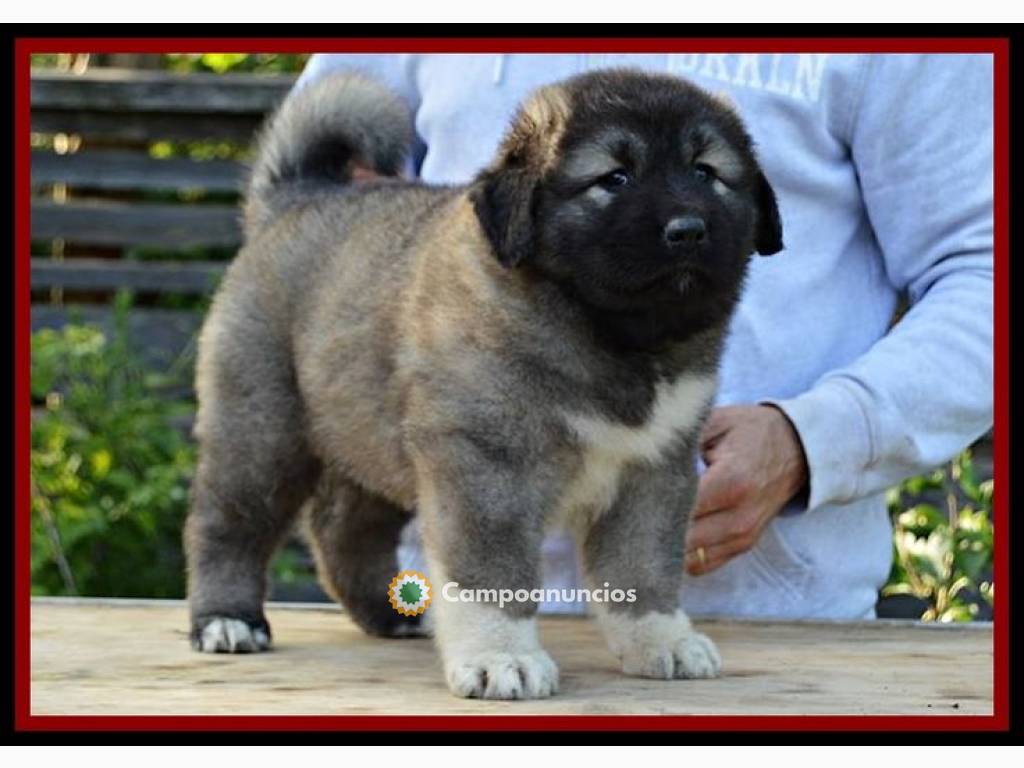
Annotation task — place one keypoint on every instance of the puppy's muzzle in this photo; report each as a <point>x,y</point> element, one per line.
<point>685,231</point>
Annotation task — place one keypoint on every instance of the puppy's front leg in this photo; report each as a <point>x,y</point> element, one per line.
<point>482,528</point>
<point>638,545</point>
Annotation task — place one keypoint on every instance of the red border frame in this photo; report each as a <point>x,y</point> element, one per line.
<point>24,720</point>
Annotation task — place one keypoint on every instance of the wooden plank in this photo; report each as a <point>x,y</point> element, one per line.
<point>146,127</point>
<point>114,170</point>
<point>195,277</point>
<point>128,90</point>
<point>161,336</point>
<point>105,657</point>
<point>126,224</point>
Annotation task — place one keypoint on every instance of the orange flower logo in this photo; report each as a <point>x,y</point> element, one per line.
<point>410,593</point>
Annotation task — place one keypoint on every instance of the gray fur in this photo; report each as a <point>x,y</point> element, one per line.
<point>338,114</point>
<point>371,344</point>
<point>354,534</point>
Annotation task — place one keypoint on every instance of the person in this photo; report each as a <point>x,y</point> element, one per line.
<point>883,168</point>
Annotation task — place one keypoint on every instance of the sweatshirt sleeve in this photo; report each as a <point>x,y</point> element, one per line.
<point>922,146</point>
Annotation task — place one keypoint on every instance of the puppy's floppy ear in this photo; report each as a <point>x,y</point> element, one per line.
<point>503,201</point>
<point>504,195</point>
<point>768,237</point>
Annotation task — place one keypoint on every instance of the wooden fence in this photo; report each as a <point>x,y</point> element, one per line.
<point>109,212</point>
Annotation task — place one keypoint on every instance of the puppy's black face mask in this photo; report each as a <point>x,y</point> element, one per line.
<point>648,214</point>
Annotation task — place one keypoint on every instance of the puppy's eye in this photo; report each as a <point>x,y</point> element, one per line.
<point>615,180</point>
<point>704,172</point>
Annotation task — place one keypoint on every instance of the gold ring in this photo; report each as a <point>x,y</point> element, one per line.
<point>702,556</point>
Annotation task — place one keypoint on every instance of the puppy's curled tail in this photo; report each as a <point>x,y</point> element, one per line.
<point>319,134</point>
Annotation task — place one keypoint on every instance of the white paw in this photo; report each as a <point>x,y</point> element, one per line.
<point>490,654</point>
<point>661,646</point>
<point>223,635</point>
<point>692,655</point>
<point>696,656</point>
<point>504,676</point>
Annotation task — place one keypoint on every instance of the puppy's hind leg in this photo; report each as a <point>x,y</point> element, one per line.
<point>354,535</point>
<point>253,474</point>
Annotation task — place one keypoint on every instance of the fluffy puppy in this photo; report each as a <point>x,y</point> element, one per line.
<point>538,347</point>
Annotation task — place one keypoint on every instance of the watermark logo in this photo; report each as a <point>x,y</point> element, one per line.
<point>410,593</point>
<point>454,594</point>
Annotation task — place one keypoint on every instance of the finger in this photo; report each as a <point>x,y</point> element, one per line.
<point>712,529</point>
<point>716,490</point>
<point>717,424</point>
<point>714,557</point>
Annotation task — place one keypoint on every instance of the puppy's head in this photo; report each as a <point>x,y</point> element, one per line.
<point>633,190</point>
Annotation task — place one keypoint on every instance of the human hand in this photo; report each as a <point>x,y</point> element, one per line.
<point>755,465</point>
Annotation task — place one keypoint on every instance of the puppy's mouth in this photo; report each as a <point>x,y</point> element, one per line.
<point>677,279</point>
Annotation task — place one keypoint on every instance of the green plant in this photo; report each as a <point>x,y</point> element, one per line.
<point>942,541</point>
<point>110,469</point>
<point>235,62</point>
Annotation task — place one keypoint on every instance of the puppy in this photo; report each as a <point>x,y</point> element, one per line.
<point>536,348</point>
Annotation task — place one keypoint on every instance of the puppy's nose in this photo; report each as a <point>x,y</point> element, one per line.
<point>685,230</point>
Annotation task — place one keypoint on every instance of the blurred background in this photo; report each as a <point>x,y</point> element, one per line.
<point>137,164</point>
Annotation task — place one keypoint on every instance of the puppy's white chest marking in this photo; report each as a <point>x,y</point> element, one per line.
<point>608,447</point>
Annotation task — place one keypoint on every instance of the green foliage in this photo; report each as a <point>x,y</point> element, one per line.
<point>291,566</point>
<point>209,149</point>
<point>44,60</point>
<point>110,470</point>
<point>220,63</point>
<point>942,551</point>
<point>235,62</point>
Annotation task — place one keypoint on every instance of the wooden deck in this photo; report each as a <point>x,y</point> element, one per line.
<point>124,657</point>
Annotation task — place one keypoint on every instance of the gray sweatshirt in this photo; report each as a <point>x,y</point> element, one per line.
<point>882,165</point>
